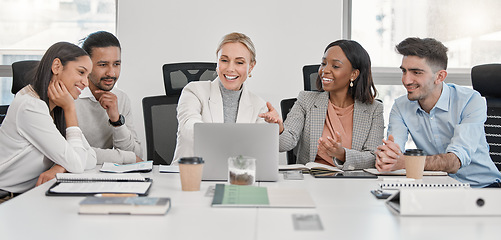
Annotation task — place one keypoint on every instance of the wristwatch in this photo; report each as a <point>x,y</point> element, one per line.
<point>120,122</point>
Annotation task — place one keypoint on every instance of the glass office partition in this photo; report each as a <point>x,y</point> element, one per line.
<point>29,27</point>
<point>470,29</point>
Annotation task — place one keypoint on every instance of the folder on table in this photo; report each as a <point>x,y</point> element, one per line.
<point>445,202</point>
<point>252,196</point>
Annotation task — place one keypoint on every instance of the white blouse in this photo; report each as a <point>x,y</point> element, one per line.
<point>30,144</point>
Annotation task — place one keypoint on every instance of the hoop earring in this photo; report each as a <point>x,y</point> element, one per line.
<point>351,82</point>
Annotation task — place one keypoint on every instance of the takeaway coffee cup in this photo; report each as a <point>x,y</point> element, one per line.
<point>190,170</point>
<point>414,163</point>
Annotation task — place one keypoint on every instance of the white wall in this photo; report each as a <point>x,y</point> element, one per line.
<point>287,35</point>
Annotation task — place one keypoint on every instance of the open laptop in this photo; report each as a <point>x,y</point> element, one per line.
<point>216,142</point>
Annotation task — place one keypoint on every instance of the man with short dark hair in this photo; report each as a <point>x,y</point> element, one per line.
<point>445,120</point>
<point>104,112</point>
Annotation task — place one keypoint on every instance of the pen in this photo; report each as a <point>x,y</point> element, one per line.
<point>399,180</point>
<point>115,195</point>
<point>138,163</point>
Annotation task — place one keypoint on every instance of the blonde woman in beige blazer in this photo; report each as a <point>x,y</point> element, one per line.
<point>224,100</point>
<point>346,82</point>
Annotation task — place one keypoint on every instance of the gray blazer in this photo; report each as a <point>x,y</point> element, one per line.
<point>305,123</point>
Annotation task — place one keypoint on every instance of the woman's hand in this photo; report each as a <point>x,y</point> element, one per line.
<point>50,174</point>
<point>332,147</point>
<point>272,117</point>
<point>58,94</point>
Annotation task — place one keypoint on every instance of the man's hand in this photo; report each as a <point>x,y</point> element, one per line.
<point>138,159</point>
<point>109,102</point>
<point>50,174</point>
<point>389,157</point>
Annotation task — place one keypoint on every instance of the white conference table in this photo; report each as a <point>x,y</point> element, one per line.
<point>346,208</point>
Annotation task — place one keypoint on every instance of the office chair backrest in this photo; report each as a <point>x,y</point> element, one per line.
<point>3,112</point>
<point>160,124</point>
<point>310,75</point>
<point>177,75</point>
<point>22,74</point>
<point>285,107</point>
<point>486,79</point>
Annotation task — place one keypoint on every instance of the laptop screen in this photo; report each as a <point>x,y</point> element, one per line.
<point>216,142</point>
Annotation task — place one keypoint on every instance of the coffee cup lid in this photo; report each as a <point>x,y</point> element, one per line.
<point>414,152</point>
<point>191,160</point>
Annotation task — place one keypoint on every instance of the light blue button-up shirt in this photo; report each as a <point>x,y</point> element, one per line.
<point>455,124</point>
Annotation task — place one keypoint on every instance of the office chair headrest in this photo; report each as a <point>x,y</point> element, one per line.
<point>22,74</point>
<point>177,75</point>
<point>486,79</point>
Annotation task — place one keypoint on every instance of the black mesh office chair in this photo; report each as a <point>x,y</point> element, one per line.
<point>310,75</point>
<point>285,107</point>
<point>160,124</point>
<point>22,74</point>
<point>486,79</point>
<point>177,75</point>
<point>3,112</point>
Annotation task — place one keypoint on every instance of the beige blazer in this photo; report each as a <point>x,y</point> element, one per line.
<point>305,123</point>
<point>202,102</point>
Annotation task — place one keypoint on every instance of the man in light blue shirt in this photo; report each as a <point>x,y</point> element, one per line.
<point>445,120</point>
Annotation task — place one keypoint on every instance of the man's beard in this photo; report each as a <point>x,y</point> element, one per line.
<point>104,87</point>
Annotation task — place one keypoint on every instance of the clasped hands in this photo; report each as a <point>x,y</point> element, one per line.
<point>388,156</point>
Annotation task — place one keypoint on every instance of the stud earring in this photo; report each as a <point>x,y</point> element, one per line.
<point>250,74</point>
<point>351,82</point>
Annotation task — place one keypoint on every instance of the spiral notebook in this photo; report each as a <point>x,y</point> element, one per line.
<point>124,177</point>
<point>69,184</point>
<point>400,185</point>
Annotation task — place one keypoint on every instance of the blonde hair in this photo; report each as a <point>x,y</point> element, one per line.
<point>238,38</point>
